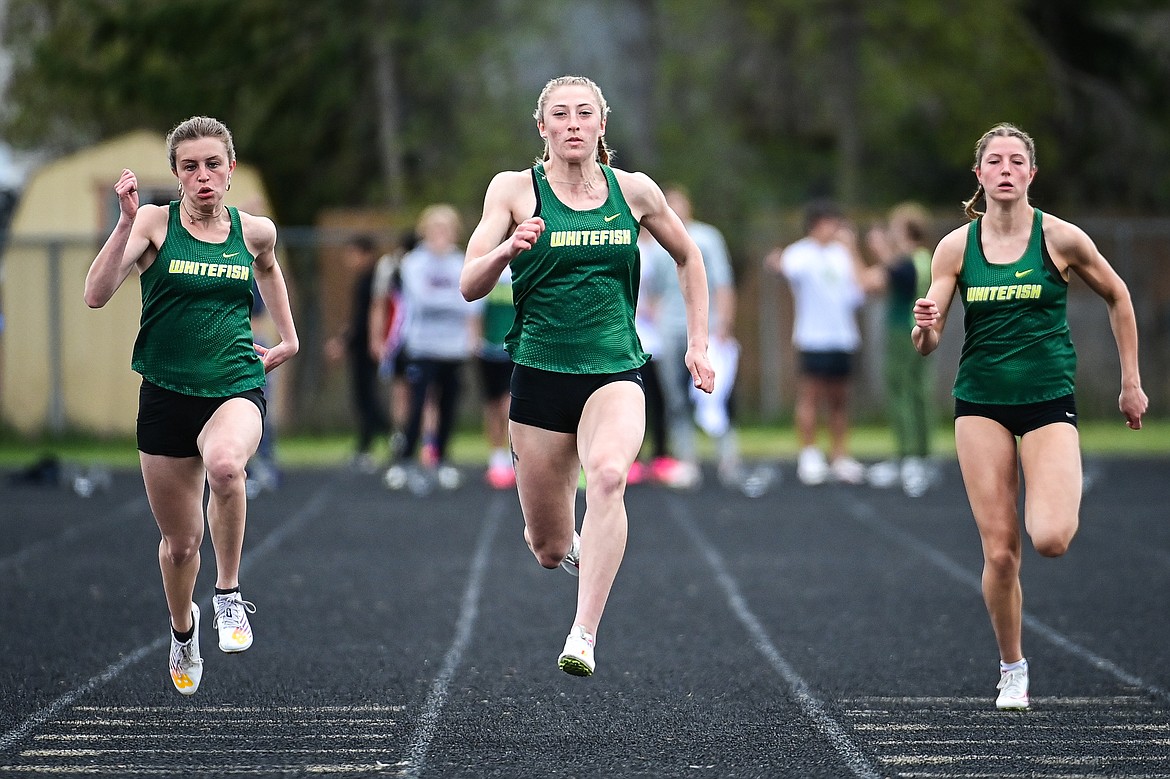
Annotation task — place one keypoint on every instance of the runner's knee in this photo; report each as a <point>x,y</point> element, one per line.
<point>181,549</point>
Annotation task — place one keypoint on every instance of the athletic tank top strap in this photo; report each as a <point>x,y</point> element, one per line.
<point>195,335</point>
<point>576,289</point>
<point>1016,342</point>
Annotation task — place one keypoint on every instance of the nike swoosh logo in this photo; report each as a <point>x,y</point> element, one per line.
<point>1022,273</point>
<point>1070,415</point>
<point>615,216</point>
<point>227,256</point>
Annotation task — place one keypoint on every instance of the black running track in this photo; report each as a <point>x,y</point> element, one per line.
<point>812,632</point>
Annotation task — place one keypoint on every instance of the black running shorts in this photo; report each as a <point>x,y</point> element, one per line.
<point>554,401</point>
<point>169,423</point>
<point>1023,417</point>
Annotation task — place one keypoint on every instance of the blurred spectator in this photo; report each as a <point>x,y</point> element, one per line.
<point>664,304</point>
<point>436,340</point>
<point>263,471</point>
<point>387,315</point>
<point>823,269</point>
<point>495,373</point>
<point>903,273</point>
<point>361,256</point>
<point>644,323</point>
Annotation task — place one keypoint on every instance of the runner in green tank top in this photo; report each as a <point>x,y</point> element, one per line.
<point>591,258</point>
<point>1010,267</point>
<point>196,333</point>
<point>568,229</point>
<point>201,404</point>
<point>1016,343</point>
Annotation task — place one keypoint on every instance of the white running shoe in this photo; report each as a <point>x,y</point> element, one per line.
<point>577,656</point>
<point>811,467</point>
<point>572,561</point>
<point>231,619</point>
<point>883,475</point>
<point>915,477</point>
<point>186,664</point>
<point>848,471</point>
<point>1013,690</point>
<point>448,477</point>
<point>395,478</point>
<point>683,476</point>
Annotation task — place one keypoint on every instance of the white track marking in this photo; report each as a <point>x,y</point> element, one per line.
<point>424,734</point>
<point>866,515</point>
<point>315,506</point>
<point>812,706</point>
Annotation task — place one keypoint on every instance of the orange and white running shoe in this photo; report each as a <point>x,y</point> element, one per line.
<point>185,664</point>
<point>231,619</point>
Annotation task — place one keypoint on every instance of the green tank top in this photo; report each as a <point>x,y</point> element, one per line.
<point>576,289</point>
<point>1016,345</point>
<point>195,335</point>
<point>498,312</point>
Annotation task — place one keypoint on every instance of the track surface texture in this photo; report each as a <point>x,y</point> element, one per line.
<point>828,631</point>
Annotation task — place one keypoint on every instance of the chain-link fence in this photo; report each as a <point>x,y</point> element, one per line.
<point>64,367</point>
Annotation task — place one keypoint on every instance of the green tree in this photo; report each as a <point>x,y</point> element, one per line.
<point>754,104</point>
<point>314,92</point>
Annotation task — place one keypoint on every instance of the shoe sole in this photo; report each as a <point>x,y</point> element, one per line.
<point>231,650</point>
<point>574,667</point>
<point>1013,707</point>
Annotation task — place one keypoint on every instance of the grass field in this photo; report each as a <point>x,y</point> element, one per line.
<point>756,443</point>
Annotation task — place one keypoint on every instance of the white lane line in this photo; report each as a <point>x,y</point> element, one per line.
<point>812,706</point>
<point>966,727</point>
<point>1053,760</point>
<point>222,750</point>
<point>50,712</point>
<point>999,742</point>
<point>315,505</point>
<point>951,701</point>
<point>420,743</point>
<point>233,709</point>
<point>158,737</point>
<point>127,510</point>
<point>227,723</point>
<point>866,515</point>
<point>122,770</point>
<point>1018,775</point>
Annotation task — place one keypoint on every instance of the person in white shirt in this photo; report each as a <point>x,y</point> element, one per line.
<point>823,269</point>
<point>664,303</point>
<point>437,338</point>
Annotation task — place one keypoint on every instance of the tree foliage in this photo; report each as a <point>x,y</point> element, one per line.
<point>752,103</point>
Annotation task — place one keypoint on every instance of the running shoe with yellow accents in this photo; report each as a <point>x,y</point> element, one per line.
<point>231,619</point>
<point>577,656</point>
<point>186,665</point>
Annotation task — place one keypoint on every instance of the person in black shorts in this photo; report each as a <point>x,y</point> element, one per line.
<point>1014,392</point>
<point>201,405</point>
<point>567,230</point>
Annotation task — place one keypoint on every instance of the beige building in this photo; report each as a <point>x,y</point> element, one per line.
<point>64,366</point>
